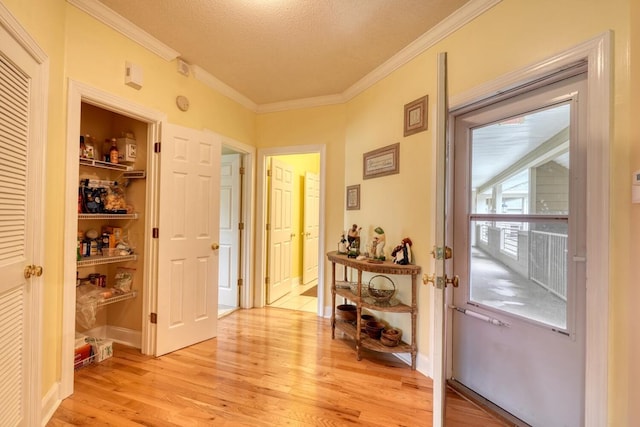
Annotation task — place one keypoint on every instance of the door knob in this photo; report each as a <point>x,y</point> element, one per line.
<point>215,246</point>
<point>431,278</point>
<point>33,270</point>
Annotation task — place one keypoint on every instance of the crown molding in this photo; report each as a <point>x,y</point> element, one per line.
<point>125,27</point>
<point>296,104</point>
<point>226,90</point>
<point>449,25</point>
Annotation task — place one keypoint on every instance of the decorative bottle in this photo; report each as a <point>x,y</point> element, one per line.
<point>113,152</point>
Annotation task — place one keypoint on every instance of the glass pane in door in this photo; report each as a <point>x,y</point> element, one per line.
<point>519,215</point>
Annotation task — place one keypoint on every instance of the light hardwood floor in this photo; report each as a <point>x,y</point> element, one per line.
<point>267,367</point>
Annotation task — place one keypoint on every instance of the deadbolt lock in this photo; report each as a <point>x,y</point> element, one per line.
<point>442,253</point>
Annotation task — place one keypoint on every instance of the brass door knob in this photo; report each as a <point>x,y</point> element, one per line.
<point>215,246</point>
<point>429,278</point>
<point>33,270</point>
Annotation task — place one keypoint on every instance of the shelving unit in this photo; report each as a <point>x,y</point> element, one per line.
<point>104,165</point>
<point>118,298</point>
<point>107,216</point>
<point>105,259</point>
<point>343,288</point>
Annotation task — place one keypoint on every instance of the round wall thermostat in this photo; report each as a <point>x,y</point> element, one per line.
<point>182,102</point>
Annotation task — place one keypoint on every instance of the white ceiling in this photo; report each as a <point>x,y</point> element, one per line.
<point>274,51</point>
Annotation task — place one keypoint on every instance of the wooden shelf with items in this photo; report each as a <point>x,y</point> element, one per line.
<point>356,293</point>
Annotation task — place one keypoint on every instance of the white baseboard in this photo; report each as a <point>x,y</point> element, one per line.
<point>50,403</point>
<point>117,334</point>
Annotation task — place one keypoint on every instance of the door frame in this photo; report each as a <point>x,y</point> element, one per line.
<point>261,211</point>
<point>248,155</point>
<point>79,92</point>
<point>597,52</point>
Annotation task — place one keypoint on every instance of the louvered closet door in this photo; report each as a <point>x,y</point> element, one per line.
<point>15,241</point>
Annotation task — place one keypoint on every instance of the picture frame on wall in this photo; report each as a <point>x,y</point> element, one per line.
<point>415,116</point>
<point>381,162</point>
<point>353,197</point>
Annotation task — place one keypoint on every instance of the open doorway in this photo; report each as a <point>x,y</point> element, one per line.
<point>290,214</point>
<point>235,223</point>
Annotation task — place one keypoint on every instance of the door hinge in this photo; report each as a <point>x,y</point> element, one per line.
<point>268,227</point>
<point>155,232</point>
<point>268,172</point>
<point>241,170</point>
<point>266,280</point>
<point>156,147</point>
<point>241,226</point>
<point>240,282</point>
<point>153,318</point>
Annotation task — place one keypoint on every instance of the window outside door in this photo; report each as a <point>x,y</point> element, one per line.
<point>519,313</point>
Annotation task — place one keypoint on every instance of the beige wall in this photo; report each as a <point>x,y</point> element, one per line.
<point>513,34</point>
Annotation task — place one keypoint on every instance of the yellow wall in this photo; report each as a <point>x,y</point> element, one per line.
<point>301,163</point>
<point>513,34</point>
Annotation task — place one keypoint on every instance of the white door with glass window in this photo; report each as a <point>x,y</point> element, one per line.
<point>519,249</point>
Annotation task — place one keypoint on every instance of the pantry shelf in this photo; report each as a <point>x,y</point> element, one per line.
<point>100,259</point>
<point>108,216</point>
<point>104,165</point>
<point>117,298</point>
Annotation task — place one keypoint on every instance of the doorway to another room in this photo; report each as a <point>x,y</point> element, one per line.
<point>289,259</point>
<point>235,179</point>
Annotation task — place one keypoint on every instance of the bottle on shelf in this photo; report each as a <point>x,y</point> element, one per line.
<point>113,151</point>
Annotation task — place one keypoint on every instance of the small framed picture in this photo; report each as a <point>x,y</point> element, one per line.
<point>353,197</point>
<point>415,116</point>
<point>381,162</point>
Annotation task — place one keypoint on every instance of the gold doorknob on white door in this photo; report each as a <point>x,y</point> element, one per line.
<point>33,270</point>
<point>215,246</point>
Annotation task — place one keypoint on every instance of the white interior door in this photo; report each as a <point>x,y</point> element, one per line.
<point>187,309</point>
<point>280,230</point>
<point>21,162</point>
<point>229,233</point>
<point>311,227</point>
<point>519,318</point>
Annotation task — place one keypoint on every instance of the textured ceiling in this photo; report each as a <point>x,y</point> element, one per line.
<point>281,50</point>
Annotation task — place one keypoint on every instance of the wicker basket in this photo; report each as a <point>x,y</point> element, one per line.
<point>346,312</point>
<point>382,292</point>
<point>374,328</point>
<point>390,337</point>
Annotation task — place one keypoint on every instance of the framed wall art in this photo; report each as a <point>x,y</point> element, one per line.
<point>415,116</point>
<point>381,162</point>
<point>353,197</point>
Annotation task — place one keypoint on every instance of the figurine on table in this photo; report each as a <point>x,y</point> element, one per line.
<point>353,239</point>
<point>379,242</point>
<point>402,253</point>
<point>342,245</point>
